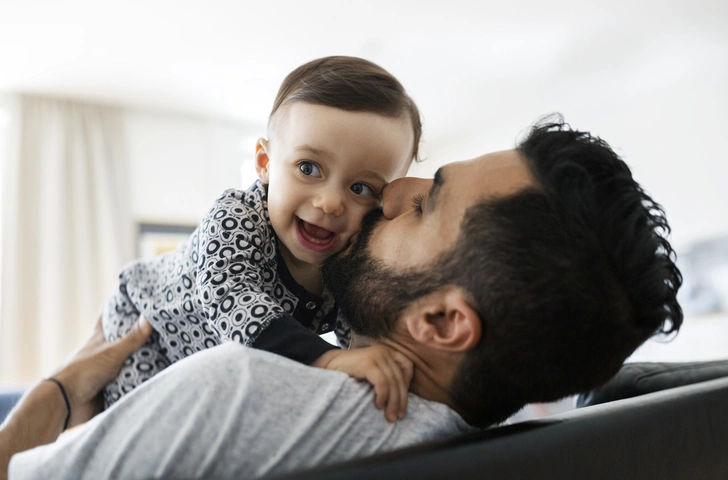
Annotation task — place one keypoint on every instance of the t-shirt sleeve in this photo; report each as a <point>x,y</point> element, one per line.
<point>235,264</point>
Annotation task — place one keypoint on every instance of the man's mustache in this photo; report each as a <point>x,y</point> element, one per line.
<point>369,223</point>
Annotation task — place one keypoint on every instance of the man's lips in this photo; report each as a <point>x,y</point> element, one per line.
<point>314,237</point>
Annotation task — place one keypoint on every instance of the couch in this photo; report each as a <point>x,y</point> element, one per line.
<point>663,431</point>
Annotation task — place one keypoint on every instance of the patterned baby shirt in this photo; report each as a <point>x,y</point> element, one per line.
<point>228,282</point>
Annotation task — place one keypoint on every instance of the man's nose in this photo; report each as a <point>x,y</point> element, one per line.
<point>330,201</point>
<point>397,197</point>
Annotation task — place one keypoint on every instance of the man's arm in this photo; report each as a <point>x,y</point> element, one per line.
<point>39,416</point>
<point>37,420</point>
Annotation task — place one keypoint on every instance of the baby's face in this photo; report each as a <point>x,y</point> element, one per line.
<point>325,169</point>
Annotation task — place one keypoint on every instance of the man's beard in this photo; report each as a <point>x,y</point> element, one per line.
<point>368,294</point>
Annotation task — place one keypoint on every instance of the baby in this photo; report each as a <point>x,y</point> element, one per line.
<point>341,128</point>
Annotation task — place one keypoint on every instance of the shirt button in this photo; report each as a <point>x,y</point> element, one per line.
<point>311,305</point>
<point>325,326</point>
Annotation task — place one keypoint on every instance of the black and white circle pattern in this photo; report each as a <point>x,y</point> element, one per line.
<point>222,285</point>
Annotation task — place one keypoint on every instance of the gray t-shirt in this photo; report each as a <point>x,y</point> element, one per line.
<point>232,411</point>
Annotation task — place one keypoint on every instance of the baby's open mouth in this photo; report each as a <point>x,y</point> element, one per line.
<point>314,237</point>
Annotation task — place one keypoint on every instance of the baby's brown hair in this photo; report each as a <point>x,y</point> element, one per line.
<point>353,84</point>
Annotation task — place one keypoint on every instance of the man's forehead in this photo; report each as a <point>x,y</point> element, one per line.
<point>494,161</point>
<point>491,175</point>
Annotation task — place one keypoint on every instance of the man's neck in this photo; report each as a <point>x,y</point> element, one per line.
<point>433,374</point>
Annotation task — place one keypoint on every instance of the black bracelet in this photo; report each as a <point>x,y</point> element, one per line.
<point>65,398</point>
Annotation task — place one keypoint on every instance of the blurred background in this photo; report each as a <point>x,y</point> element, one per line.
<point>120,123</point>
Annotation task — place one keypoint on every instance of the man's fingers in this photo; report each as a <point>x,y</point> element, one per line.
<point>139,334</point>
<point>132,341</point>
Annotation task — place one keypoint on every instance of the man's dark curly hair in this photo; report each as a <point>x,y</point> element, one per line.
<point>569,277</point>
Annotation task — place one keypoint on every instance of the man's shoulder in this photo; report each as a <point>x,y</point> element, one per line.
<point>240,354</point>
<point>232,356</point>
<point>200,413</point>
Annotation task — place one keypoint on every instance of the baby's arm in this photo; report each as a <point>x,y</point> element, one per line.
<point>389,371</point>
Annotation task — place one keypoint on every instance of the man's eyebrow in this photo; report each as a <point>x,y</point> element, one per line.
<point>437,184</point>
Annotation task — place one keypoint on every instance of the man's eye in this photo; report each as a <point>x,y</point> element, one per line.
<point>417,203</point>
<point>309,169</point>
<point>363,189</point>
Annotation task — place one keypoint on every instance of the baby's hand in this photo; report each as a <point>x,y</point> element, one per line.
<point>389,371</point>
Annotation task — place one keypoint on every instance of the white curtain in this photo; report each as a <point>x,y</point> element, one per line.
<point>66,229</point>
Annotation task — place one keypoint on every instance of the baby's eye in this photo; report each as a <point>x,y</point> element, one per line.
<point>363,189</point>
<point>309,169</point>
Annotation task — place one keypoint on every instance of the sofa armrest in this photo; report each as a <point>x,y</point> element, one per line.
<point>636,379</point>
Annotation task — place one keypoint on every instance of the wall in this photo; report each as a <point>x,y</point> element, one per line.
<point>179,164</point>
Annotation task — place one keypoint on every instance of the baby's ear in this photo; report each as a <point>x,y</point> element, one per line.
<point>261,159</point>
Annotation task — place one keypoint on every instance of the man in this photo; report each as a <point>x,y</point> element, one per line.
<point>521,276</point>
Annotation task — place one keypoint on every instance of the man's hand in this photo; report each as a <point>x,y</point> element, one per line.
<point>94,365</point>
<point>39,416</point>
<point>389,371</point>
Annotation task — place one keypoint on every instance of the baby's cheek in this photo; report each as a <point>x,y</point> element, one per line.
<point>356,217</point>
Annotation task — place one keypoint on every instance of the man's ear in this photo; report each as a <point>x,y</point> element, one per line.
<point>261,159</point>
<point>444,320</point>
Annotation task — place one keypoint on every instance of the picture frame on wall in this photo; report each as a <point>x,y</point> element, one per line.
<point>156,239</point>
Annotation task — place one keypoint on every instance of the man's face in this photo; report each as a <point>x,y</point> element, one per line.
<point>391,262</point>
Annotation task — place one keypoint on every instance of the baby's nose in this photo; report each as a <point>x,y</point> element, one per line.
<point>397,196</point>
<point>330,201</point>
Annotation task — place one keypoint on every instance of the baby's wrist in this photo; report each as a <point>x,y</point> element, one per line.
<point>324,360</point>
